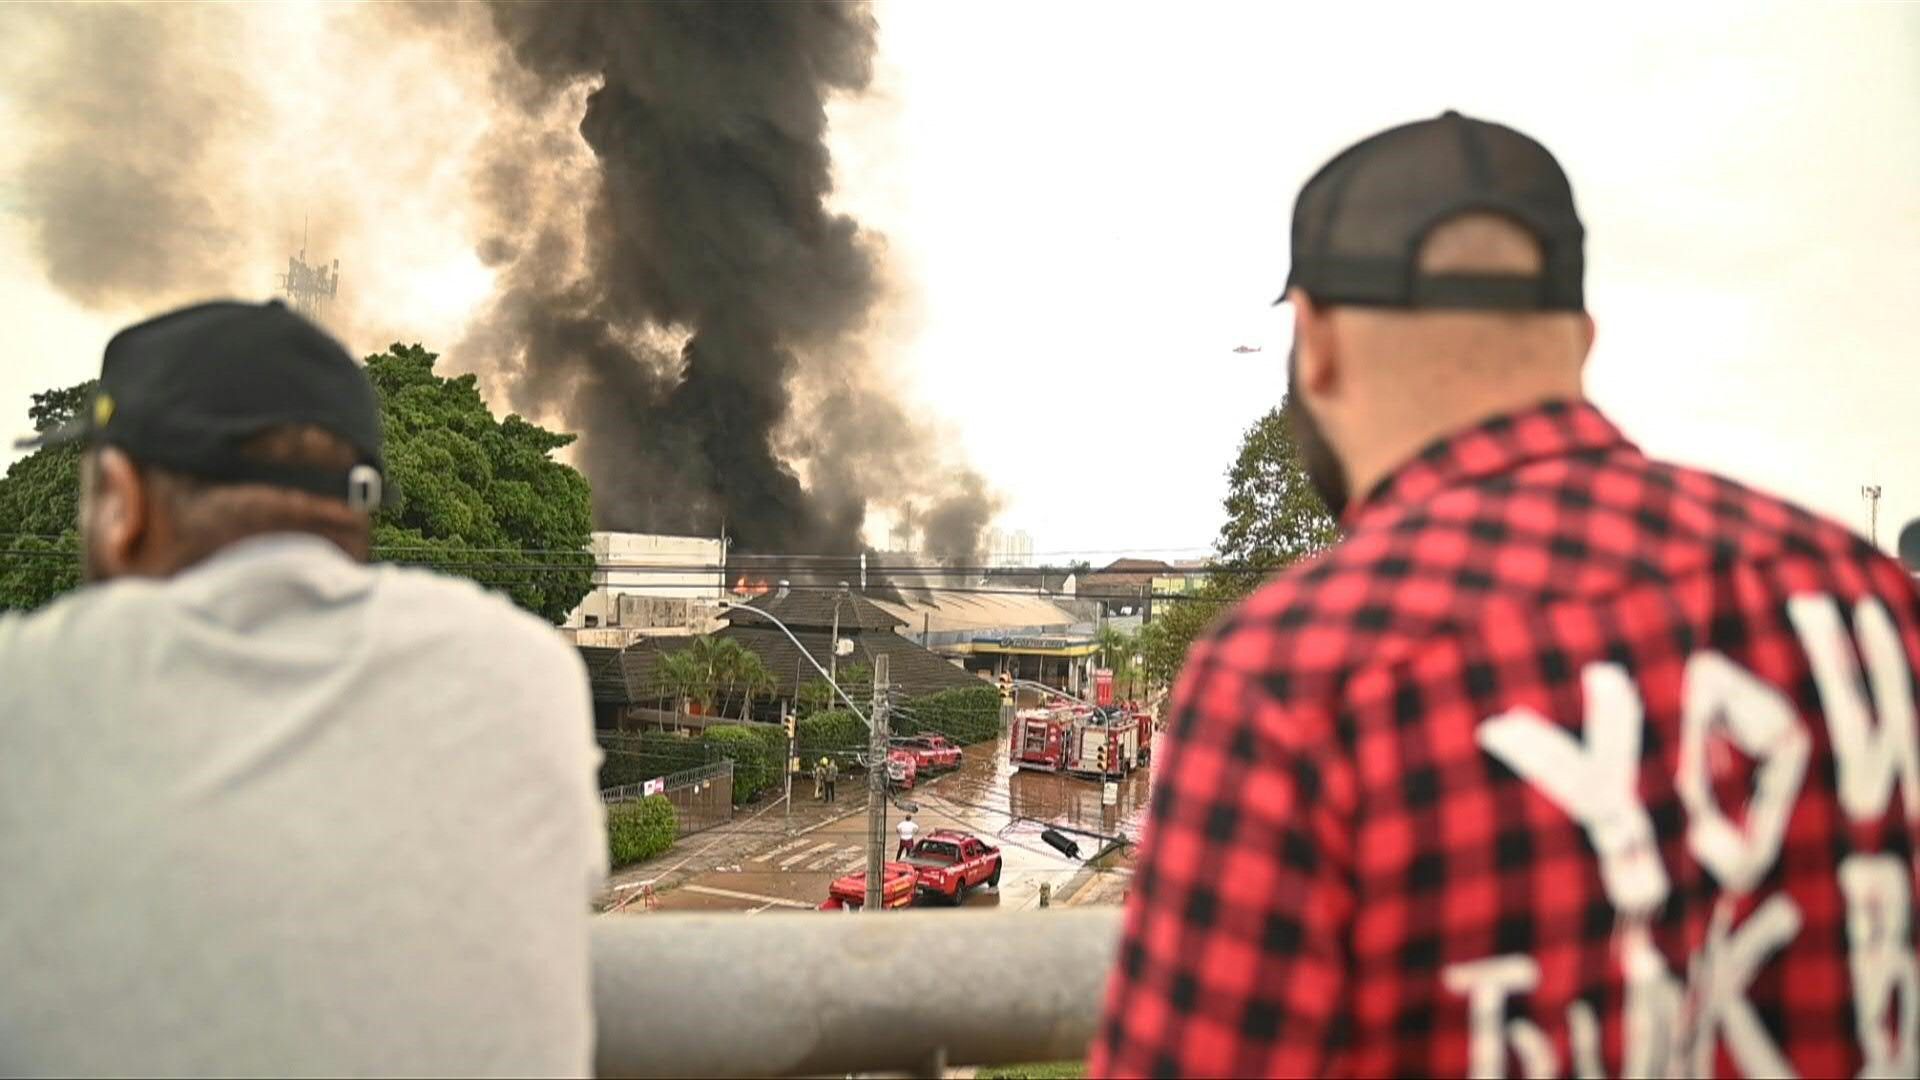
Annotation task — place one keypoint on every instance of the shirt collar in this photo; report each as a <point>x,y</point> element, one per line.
<point>1491,447</point>
<point>277,568</point>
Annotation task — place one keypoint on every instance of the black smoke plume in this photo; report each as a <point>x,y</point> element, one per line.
<point>650,184</point>
<point>711,286</point>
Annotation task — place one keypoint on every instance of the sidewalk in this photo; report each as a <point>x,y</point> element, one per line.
<point>727,844</point>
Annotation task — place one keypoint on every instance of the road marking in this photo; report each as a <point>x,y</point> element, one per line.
<point>832,857</point>
<point>851,865</point>
<point>768,856</point>
<point>812,852</point>
<point>730,894</point>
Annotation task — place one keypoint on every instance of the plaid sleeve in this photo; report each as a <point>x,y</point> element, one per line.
<point>1232,962</point>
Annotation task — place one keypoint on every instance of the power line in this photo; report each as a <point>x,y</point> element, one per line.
<point>534,573</point>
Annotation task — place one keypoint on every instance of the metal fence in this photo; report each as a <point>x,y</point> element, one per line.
<point>722,995</point>
<point>702,796</point>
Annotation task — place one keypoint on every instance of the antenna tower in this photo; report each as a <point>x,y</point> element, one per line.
<point>309,287</point>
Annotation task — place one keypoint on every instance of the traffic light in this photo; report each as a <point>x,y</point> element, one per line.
<point>1006,688</point>
<point>790,722</point>
<point>1100,758</point>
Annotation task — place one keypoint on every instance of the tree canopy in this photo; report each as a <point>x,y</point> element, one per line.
<point>40,509</point>
<point>710,669</point>
<point>1274,519</point>
<point>476,496</point>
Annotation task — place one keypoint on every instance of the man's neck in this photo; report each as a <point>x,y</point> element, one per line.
<point>1372,465</point>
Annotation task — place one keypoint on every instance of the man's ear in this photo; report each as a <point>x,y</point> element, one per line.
<point>120,513</point>
<point>1317,361</point>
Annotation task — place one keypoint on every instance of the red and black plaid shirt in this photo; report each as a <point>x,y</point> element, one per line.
<point>1564,762</point>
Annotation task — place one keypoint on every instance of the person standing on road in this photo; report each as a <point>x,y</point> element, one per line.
<point>1449,797</point>
<point>907,830</point>
<point>265,808</point>
<point>820,780</point>
<point>833,778</point>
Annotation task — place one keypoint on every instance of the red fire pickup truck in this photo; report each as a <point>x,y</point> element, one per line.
<point>849,892</point>
<point>950,862</point>
<point>933,753</point>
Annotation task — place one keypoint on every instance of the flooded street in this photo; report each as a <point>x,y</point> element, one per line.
<point>985,796</point>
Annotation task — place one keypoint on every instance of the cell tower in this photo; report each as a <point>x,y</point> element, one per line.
<point>1871,493</point>
<point>308,288</point>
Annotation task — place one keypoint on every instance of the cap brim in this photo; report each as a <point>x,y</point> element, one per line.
<point>75,430</point>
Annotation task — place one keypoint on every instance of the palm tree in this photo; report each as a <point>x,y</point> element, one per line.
<point>754,678</point>
<point>681,677</point>
<point>1116,653</point>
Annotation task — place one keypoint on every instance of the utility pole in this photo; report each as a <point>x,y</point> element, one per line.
<point>1871,492</point>
<point>833,644</point>
<point>877,791</point>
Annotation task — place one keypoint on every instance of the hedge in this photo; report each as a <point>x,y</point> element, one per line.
<point>757,751</point>
<point>756,759</point>
<point>829,732</point>
<point>640,830</point>
<point>966,715</point>
<point>670,752</point>
<point>622,767</point>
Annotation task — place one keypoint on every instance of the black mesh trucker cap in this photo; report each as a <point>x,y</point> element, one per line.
<point>1359,222</point>
<point>185,389</point>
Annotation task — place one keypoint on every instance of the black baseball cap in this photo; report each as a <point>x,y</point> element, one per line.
<point>185,389</point>
<point>1359,222</point>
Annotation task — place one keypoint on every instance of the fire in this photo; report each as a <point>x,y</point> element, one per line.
<point>746,586</point>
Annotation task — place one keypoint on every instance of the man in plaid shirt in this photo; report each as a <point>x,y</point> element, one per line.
<point>1565,761</point>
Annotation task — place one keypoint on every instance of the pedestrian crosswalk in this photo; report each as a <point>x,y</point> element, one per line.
<point>791,861</point>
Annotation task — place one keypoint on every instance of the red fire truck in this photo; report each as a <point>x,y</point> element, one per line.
<point>1082,740</point>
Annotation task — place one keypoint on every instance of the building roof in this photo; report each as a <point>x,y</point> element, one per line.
<point>1130,575</point>
<point>915,671</point>
<point>947,612</point>
<point>815,609</point>
<point>625,676</point>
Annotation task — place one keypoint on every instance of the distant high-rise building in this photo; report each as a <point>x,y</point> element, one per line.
<point>1009,548</point>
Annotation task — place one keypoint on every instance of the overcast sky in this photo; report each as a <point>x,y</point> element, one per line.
<point>1087,206</point>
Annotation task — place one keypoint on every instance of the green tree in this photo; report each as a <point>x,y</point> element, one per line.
<point>678,676</point>
<point>476,496</point>
<point>712,669</point>
<point>40,509</point>
<point>1117,650</point>
<point>815,695</point>
<point>1274,519</point>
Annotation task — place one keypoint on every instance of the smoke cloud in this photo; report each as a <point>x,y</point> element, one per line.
<point>620,212</point>
<point>714,287</point>
<point>121,188</point>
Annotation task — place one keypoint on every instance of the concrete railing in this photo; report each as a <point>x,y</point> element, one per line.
<point>810,994</point>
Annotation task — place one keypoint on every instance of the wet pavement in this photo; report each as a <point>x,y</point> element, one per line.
<point>758,865</point>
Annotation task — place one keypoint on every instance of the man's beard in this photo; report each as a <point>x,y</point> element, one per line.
<point>1322,465</point>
